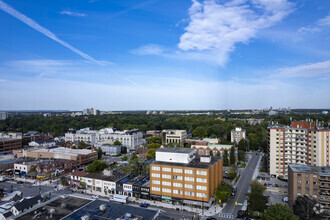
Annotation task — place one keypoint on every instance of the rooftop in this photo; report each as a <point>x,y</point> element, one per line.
<point>322,171</point>
<point>176,150</point>
<point>100,176</point>
<point>63,150</point>
<point>195,163</point>
<point>112,211</point>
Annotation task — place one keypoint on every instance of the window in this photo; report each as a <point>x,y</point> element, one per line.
<point>201,187</point>
<point>307,182</point>
<point>155,168</point>
<point>177,184</point>
<point>177,170</point>
<point>187,193</point>
<point>165,176</point>
<point>165,183</point>
<point>166,190</point>
<point>177,177</point>
<point>203,195</point>
<point>166,169</point>
<point>201,180</point>
<point>155,175</point>
<point>189,171</point>
<point>307,188</point>
<point>299,181</point>
<point>189,186</point>
<point>175,191</point>
<point>199,172</point>
<point>186,178</point>
<point>155,188</point>
<point>155,182</point>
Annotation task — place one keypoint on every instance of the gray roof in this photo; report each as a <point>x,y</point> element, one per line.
<point>176,150</point>
<point>100,176</point>
<point>321,171</point>
<point>26,203</point>
<point>195,163</point>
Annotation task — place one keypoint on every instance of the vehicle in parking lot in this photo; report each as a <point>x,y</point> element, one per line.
<point>270,184</point>
<point>265,184</point>
<point>144,205</point>
<point>285,199</point>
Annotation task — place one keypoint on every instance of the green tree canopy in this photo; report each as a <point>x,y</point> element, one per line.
<point>151,153</point>
<point>279,212</point>
<point>200,131</point>
<point>225,158</point>
<point>232,156</point>
<point>256,200</point>
<point>117,143</point>
<point>223,192</point>
<point>96,166</point>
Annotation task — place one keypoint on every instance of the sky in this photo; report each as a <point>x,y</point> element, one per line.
<point>164,54</point>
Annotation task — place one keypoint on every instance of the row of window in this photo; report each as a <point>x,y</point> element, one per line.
<point>180,192</point>
<point>177,170</point>
<point>186,178</point>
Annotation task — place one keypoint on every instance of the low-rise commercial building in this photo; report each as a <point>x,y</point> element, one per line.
<point>82,156</point>
<point>178,176</point>
<point>9,144</point>
<point>313,181</point>
<point>174,136</point>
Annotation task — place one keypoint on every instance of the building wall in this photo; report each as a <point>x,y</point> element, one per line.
<point>174,136</point>
<point>10,144</point>
<point>213,180</point>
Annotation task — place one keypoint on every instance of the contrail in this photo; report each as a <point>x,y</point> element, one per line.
<point>7,8</point>
<point>10,10</point>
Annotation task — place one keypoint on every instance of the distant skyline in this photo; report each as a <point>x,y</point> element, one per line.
<point>165,55</point>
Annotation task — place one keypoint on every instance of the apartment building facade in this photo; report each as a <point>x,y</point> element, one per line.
<point>313,181</point>
<point>237,134</point>
<point>302,143</point>
<point>174,136</point>
<point>128,138</point>
<point>9,144</point>
<point>178,176</point>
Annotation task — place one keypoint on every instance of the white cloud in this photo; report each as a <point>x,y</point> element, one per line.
<point>319,69</point>
<point>33,24</point>
<point>71,13</point>
<point>149,49</point>
<point>324,21</point>
<point>216,27</point>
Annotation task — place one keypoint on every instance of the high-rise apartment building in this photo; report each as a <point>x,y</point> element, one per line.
<point>303,143</point>
<point>178,176</point>
<point>313,181</point>
<point>3,115</point>
<point>174,136</point>
<point>237,134</point>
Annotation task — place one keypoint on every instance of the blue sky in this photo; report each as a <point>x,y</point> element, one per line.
<point>157,54</point>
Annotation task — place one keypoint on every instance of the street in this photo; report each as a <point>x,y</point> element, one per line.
<point>230,210</point>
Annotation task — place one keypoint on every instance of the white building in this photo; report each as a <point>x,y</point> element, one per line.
<point>301,143</point>
<point>11,135</point>
<point>3,115</point>
<point>237,134</point>
<point>111,149</point>
<point>175,155</point>
<point>128,138</point>
<point>174,136</point>
<point>43,143</point>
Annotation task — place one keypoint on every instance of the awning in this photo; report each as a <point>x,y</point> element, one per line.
<point>198,203</point>
<point>42,176</point>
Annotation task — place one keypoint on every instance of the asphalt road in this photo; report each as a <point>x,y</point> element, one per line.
<point>230,210</point>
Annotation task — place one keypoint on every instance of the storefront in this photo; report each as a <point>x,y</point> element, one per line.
<point>155,197</point>
<point>167,199</point>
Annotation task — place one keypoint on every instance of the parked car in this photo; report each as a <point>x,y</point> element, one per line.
<point>265,184</point>
<point>211,218</point>
<point>285,199</point>
<point>19,182</point>
<point>144,205</point>
<point>276,185</point>
<point>270,184</point>
<point>225,177</point>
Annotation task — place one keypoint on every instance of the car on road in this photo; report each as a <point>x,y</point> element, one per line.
<point>19,182</point>
<point>211,218</point>
<point>144,205</point>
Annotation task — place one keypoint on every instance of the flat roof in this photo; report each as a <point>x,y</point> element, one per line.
<point>175,150</point>
<point>113,211</point>
<point>63,150</point>
<point>322,171</point>
<point>195,163</point>
<point>100,176</point>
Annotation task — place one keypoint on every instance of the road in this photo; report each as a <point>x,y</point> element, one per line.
<point>230,210</point>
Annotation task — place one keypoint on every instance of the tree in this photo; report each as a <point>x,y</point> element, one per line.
<point>200,131</point>
<point>153,145</point>
<point>82,145</point>
<point>306,208</point>
<point>124,158</point>
<point>231,174</point>
<point>99,153</point>
<point>232,156</point>
<point>157,140</point>
<point>256,200</point>
<point>151,153</point>
<point>279,212</point>
<point>96,166</point>
<point>223,192</point>
<point>225,158</point>
<point>133,167</point>
<point>241,155</point>
<point>242,145</point>
<point>32,168</point>
<point>117,143</point>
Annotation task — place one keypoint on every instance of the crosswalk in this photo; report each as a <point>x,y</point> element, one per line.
<point>226,215</point>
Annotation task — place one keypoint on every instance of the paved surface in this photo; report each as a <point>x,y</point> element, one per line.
<point>230,210</point>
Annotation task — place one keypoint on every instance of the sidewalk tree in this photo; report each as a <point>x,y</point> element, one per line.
<point>231,174</point>
<point>256,200</point>
<point>225,158</point>
<point>279,212</point>
<point>223,192</point>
